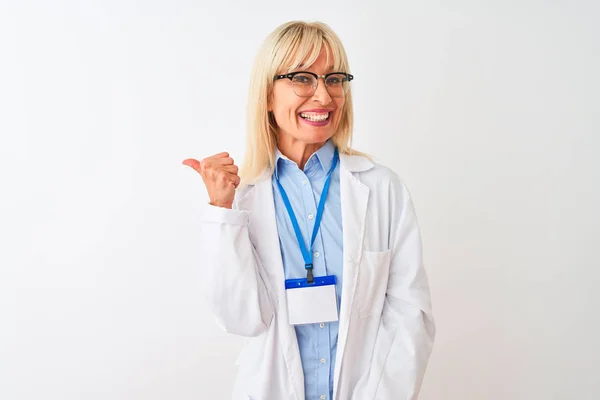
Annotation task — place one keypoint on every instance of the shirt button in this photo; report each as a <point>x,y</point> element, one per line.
<point>323,397</point>
<point>321,325</point>
<point>304,181</point>
<point>310,216</point>
<point>317,254</point>
<point>322,361</point>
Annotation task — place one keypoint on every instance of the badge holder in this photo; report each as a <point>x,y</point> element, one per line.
<point>311,303</point>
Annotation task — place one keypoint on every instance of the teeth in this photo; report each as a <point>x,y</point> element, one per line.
<point>314,116</point>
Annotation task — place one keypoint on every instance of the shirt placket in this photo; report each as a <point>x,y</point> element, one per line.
<point>320,331</point>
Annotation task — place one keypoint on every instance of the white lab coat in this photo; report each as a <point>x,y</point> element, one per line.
<point>386,329</point>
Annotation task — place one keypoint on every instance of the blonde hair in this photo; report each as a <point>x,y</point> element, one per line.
<point>290,45</point>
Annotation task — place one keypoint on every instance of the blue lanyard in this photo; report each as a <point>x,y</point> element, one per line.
<point>307,253</point>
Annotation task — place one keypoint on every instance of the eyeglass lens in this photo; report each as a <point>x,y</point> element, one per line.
<point>305,85</point>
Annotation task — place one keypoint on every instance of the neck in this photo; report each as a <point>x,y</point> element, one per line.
<point>296,150</point>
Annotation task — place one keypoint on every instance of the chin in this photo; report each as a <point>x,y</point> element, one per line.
<point>316,137</point>
<point>312,136</point>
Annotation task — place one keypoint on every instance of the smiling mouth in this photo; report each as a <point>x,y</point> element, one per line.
<point>315,117</point>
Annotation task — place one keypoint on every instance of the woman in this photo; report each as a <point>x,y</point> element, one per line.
<point>316,257</point>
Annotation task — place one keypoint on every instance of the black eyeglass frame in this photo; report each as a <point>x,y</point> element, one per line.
<point>290,76</point>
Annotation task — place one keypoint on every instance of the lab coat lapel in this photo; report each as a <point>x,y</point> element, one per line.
<point>258,201</point>
<point>354,198</point>
<point>265,236</point>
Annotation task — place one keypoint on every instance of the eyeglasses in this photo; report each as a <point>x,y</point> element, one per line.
<point>305,83</point>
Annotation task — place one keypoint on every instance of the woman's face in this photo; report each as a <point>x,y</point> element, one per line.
<point>300,118</point>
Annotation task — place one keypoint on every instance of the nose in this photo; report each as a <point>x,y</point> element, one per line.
<point>321,94</point>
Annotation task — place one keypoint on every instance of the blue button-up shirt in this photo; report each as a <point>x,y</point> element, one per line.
<point>317,342</point>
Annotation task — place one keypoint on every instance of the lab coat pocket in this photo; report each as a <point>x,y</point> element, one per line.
<point>373,277</point>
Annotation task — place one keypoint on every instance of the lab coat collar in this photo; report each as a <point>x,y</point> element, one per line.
<point>355,163</point>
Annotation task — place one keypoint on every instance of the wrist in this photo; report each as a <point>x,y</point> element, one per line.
<point>221,204</point>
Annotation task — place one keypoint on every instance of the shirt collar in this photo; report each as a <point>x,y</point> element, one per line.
<point>324,156</point>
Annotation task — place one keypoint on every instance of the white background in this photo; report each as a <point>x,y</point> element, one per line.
<point>488,111</point>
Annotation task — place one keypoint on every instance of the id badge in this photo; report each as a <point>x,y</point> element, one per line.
<point>311,303</point>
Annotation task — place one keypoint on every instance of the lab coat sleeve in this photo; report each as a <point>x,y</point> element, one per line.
<point>231,273</point>
<point>406,333</point>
